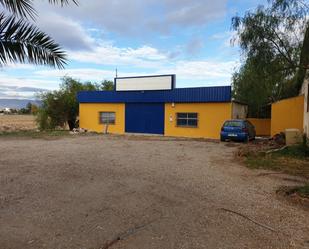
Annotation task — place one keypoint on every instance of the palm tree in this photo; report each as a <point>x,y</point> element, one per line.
<point>21,41</point>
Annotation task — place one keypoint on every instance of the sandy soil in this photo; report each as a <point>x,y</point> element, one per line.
<point>81,192</point>
<point>17,122</point>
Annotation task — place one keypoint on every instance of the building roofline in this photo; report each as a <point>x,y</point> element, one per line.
<point>145,76</point>
<point>177,95</point>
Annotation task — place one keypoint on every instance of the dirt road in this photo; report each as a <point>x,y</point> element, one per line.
<point>81,192</point>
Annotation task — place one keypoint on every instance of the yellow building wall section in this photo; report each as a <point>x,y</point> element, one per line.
<point>286,114</point>
<point>211,117</point>
<point>262,126</point>
<point>89,117</point>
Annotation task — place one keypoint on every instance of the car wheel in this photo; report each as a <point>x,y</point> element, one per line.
<point>222,139</point>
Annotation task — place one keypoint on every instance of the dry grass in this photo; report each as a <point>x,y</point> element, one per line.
<point>292,160</point>
<point>17,122</point>
<point>277,162</point>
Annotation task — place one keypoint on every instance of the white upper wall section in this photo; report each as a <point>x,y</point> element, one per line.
<point>163,82</point>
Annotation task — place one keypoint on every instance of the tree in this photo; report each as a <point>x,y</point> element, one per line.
<point>69,89</point>
<point>107,85</point>
<point>34,109</point>
<point>21,41</point>
<point>23,111</point>
<point>28,107</point>
<point>61,107</point>
<point>274,42</point>
<point>26,110</point>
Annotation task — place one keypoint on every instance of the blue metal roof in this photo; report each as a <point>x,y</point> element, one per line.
<point>177,95</point>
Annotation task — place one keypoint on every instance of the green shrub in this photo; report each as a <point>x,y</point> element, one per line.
<point>303,191</point>
<point>299,151</point>
<point>305,145</point>
<point>43,120</point>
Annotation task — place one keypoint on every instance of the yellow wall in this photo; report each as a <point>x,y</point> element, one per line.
<point>211,116</point>
<point>287,113</point>
<point>89,117</point>
<point>262,126</point>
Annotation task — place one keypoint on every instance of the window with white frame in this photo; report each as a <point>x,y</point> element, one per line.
<point>187,119</point>
<point>107,117</point>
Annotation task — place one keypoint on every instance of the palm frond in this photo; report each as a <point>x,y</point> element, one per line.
<point>25,9</point>
<point>22,42</point>
<point>63,2</point>
<point>22,8</point>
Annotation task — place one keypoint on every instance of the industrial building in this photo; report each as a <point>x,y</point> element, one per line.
<point>153,105</point>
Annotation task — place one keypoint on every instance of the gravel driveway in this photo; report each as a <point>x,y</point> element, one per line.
<point>85,191</point>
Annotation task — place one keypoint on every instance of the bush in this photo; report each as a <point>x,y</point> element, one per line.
<point>305,145</point>
<point>43,120</point>
<point>61,107</point>
<point>302,191</point>
<point>300,150</point>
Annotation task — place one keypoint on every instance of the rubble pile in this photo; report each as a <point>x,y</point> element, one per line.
<point>262,145</point>
<point>78,131</point>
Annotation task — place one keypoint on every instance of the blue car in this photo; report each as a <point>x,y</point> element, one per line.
<point>238,130</point>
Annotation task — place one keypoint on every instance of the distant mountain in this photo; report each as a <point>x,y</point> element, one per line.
<point>16,103</point>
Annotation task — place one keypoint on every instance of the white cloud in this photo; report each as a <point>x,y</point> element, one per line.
<point>17,95</point>
<point>192,13</point>
<point>108,54</point>
<point>189,74</point>
<point>221,35</point>
<point>82,32</point>
<point>139,17</point>
<point>229,38</point>
<point>67,32</point>
<point>194,46</point>
<point>23,87</point>
<point>190,71</point>
<point>84,74</point>
<point>217,72</point>
<point>8,80</point>
<point>17,66</point>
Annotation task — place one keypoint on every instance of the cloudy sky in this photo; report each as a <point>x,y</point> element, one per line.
<point>189,38</point>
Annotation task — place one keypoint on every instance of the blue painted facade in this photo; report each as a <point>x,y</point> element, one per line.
<point>176,95</point>
<point>144,118</point>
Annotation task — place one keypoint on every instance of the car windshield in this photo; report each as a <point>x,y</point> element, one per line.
<point>233,124</point>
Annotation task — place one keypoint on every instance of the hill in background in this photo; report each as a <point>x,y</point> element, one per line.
<point>16,103</point>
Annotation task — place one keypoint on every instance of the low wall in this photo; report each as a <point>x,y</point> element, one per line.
<point>262,126</point>
<point>287,114</point>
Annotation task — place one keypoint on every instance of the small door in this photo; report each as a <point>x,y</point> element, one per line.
<point>144,118</point>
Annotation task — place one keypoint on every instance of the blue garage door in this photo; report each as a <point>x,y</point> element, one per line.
<point>144,118</point>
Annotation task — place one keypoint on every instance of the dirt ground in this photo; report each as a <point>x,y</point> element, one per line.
<point>84,191</point>
<point>17,122</point>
